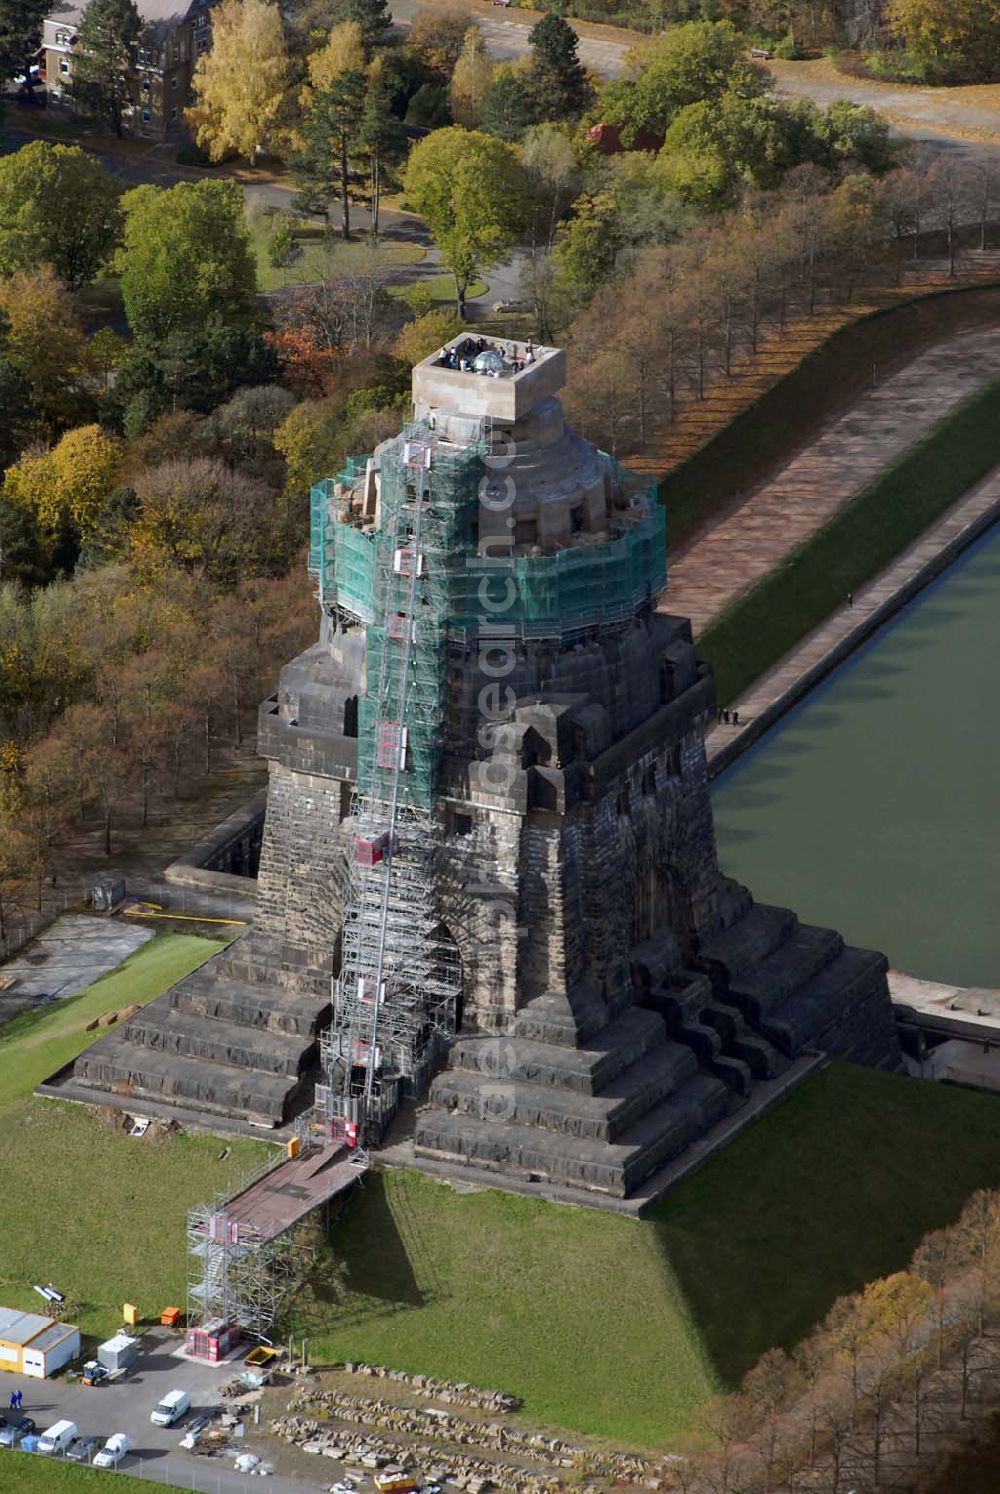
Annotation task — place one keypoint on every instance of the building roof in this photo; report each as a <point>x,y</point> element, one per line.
<point>55,1333</point>
<point>153,12</point>
<point>18,1327</point>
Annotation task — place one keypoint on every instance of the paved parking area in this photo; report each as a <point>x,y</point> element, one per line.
<point>65,957</point>
<point>124,1407</point>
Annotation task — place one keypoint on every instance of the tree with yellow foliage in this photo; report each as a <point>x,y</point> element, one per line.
<point>471,77</point>
<point>73,478</point>
<point>241,83</point>
<point>955,39</point>
<point>44,339</point>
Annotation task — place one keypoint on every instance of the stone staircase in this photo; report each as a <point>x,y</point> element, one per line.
<point>580,1094</point>
<point>598,1095</point>
<point>234,1038</point>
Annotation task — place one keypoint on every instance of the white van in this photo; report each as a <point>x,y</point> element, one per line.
<point>112,1452</point>
<point>171,1408</point>
<point>58,1439</point>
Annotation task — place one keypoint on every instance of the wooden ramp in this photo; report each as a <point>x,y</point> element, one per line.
<point>290,1191</point>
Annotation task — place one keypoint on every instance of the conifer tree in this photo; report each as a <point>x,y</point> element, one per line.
<point>103,70</point>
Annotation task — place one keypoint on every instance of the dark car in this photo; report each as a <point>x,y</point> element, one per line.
<point>83,1449</point>
<point>11,1434</point>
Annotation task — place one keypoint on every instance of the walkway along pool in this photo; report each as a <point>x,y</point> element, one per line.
<point>874,806</point>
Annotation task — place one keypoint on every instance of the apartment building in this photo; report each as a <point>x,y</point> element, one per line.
<point>173,37</point>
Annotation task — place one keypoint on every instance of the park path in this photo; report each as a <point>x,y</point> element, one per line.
<point>779,514</point>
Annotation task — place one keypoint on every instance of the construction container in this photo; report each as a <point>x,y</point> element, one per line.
<point>212,1340</point>
<point>107,894</point>
<point>370,851</point>
<point>119,1353</point>
<point>35,1346</point>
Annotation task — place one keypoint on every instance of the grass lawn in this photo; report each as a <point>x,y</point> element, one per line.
<point>620,1328</point>
<point>863,537</point>
<point>25,1474</point>
<point>86,1207</point>
<point>322,256</point>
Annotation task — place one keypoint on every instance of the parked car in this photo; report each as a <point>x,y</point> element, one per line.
<point>112,1452</point>
<point>83,1450</point>
<point>57,1438</point>
<point>11,1434</point>
<point>173,1406</point>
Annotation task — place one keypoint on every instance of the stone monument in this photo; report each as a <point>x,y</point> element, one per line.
<point>488,878</point>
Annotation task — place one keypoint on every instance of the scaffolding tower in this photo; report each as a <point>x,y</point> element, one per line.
<point>396,994</point>
<point>235,1271</point>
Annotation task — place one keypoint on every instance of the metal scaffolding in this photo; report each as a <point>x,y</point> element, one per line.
<point>235,1272</point>
<point>396,994</point>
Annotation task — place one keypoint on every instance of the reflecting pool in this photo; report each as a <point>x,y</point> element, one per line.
<point>874,807</point>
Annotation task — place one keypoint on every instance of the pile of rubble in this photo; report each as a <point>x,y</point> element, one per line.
<point>446,1391</point>
<point>474,1475</point>
<point>535,1447</point>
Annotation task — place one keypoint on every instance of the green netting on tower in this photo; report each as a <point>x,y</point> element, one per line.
<point>587,584</point>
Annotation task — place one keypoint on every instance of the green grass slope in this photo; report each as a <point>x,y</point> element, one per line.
<point>24,1474</point>
<point>85,1206</point>
<point>866,535</point>
<point>621,1328</point>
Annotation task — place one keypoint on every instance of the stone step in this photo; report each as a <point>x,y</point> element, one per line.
<point>584,1070</point>
<point>206,994</point>
<point>683,997</point>
<point>728,955</point>
<point>616,1168</point>
<point>814,1015</point>
<point>164,1028</point>
<point>568,1018</point>
<point>115,1065</point>
<point>257,959</point>
<point>600,1117</point>
<point>765,986</point>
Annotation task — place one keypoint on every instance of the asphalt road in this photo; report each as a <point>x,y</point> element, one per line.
<point>124,1407</point>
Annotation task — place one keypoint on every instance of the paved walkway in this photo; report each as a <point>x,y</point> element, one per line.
<point>781,513</point>
<point>779,689</point>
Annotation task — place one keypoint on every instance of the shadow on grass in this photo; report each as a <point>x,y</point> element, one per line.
<point>831,1189</point>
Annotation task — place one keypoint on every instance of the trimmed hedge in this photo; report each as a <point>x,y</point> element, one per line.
<point>860,540</point>
<point>828,381</point>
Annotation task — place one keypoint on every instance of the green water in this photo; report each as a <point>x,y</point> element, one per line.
<point>875,806</point>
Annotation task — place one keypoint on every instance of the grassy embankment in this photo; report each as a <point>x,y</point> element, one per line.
<point>86,1207</point>
<point>603,1324</point>
<point>23,1474</point>
<point>865,536</point>
<point>823,385</point>
<point>622,1328</point>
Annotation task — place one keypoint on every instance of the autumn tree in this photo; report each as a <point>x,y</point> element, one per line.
<point>17,868</point>
<point>198,513</point>
<point>44,340</point>
<point>60,207</point>
<point>470,78</point>
<point>471,190</point>
<point>424,334</point>
<point>438,33</point>
<point>103,82</point>
<point>241,82</point>
<point>957,40</point>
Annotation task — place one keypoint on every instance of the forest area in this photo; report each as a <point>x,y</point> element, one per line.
<point>162,420</point>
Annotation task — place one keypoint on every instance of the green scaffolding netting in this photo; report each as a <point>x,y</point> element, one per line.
<point>588,584</point>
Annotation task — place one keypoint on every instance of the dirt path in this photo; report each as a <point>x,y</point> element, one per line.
<point>783,511</point>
